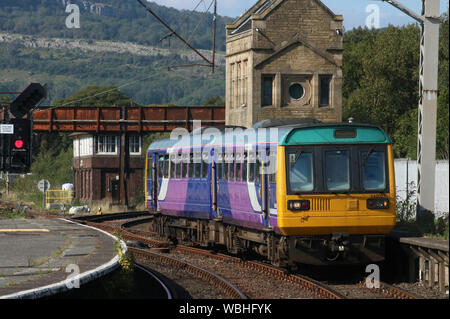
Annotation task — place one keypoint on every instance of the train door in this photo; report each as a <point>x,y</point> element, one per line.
<point>257,185</point>
<point>223,202</point>
<point>157,166</point>
<point>263,178</point>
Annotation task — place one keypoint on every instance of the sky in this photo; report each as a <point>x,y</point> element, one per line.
<point>354,11</point>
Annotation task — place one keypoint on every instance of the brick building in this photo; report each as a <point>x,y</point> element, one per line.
<point>97,168</point>
<point>284,60</point>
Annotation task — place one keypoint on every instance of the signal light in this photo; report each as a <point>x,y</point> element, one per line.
<point>18,144</point>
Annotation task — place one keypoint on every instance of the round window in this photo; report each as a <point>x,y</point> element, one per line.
<point>296,91</point>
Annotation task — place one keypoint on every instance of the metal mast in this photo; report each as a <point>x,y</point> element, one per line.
<point>428,92</point>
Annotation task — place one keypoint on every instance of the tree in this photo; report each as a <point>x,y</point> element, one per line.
<point>96,96</point>
<point>214,101</point>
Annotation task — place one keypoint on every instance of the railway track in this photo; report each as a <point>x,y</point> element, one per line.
<point>248,277</point>
<point>361,291</point>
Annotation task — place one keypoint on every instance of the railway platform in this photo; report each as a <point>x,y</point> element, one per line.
<point>421,259</point>
<point>41,257</point>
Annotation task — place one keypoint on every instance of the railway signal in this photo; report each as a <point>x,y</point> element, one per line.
<point>19,145</point>
<point>29,98</point>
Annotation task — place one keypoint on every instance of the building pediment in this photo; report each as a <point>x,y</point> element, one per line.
<point>295,41</point>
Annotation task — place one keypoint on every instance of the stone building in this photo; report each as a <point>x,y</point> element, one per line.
<point>284,60</point>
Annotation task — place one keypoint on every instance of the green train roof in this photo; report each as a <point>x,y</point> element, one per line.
<point>335,134</point>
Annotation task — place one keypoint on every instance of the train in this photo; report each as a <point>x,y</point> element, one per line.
<point>294,191</point>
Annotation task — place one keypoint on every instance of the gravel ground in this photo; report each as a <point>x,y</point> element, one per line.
<point>268,287</point>
<point>196,288</point>
<point>253,284</point>
<point>422,291</point>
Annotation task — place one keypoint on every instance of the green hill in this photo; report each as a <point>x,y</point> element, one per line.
<point>113,46</point>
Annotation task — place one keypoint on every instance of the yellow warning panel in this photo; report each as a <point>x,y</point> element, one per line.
<point>26,230</point>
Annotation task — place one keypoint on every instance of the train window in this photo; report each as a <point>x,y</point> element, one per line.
<point>171,167</point>
<point>238,172</point>
<point>272,178</point>
<point>166,167</point>
<point>205,170</point>
<point>219,168</point>
<point>337,170</point>
<point>178,169</point>
<point>191,165</point>
<point>373,167</point>
<point>251,172</point>
<point>244,168</point>
<point>258,171</point>
<point>160,166</point>
<point>226,167</point>
<point>149,164</point>
<point>301,171</point>
<point>198,169</point>
<point>184,170</point>
<point>232,168</point>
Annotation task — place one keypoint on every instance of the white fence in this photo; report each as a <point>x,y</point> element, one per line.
<point>406,172</point>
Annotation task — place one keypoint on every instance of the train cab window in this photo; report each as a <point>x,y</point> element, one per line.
<point>300,171</point>
<point>166,167</point>
<point>337,170</point>
<point>373,165</point>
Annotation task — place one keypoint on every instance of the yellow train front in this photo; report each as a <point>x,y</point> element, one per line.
<point>335,193</point>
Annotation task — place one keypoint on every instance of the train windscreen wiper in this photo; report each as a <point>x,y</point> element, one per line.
<point>367,156</point>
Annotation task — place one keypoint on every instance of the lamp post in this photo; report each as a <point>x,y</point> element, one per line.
<point>429,20</point>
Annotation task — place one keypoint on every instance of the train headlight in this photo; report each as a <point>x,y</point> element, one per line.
<point>299,205</point>
<point>378,203</point>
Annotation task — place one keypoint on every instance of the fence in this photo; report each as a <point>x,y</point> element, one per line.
<point>406,180</point>
<point>58,197</point>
